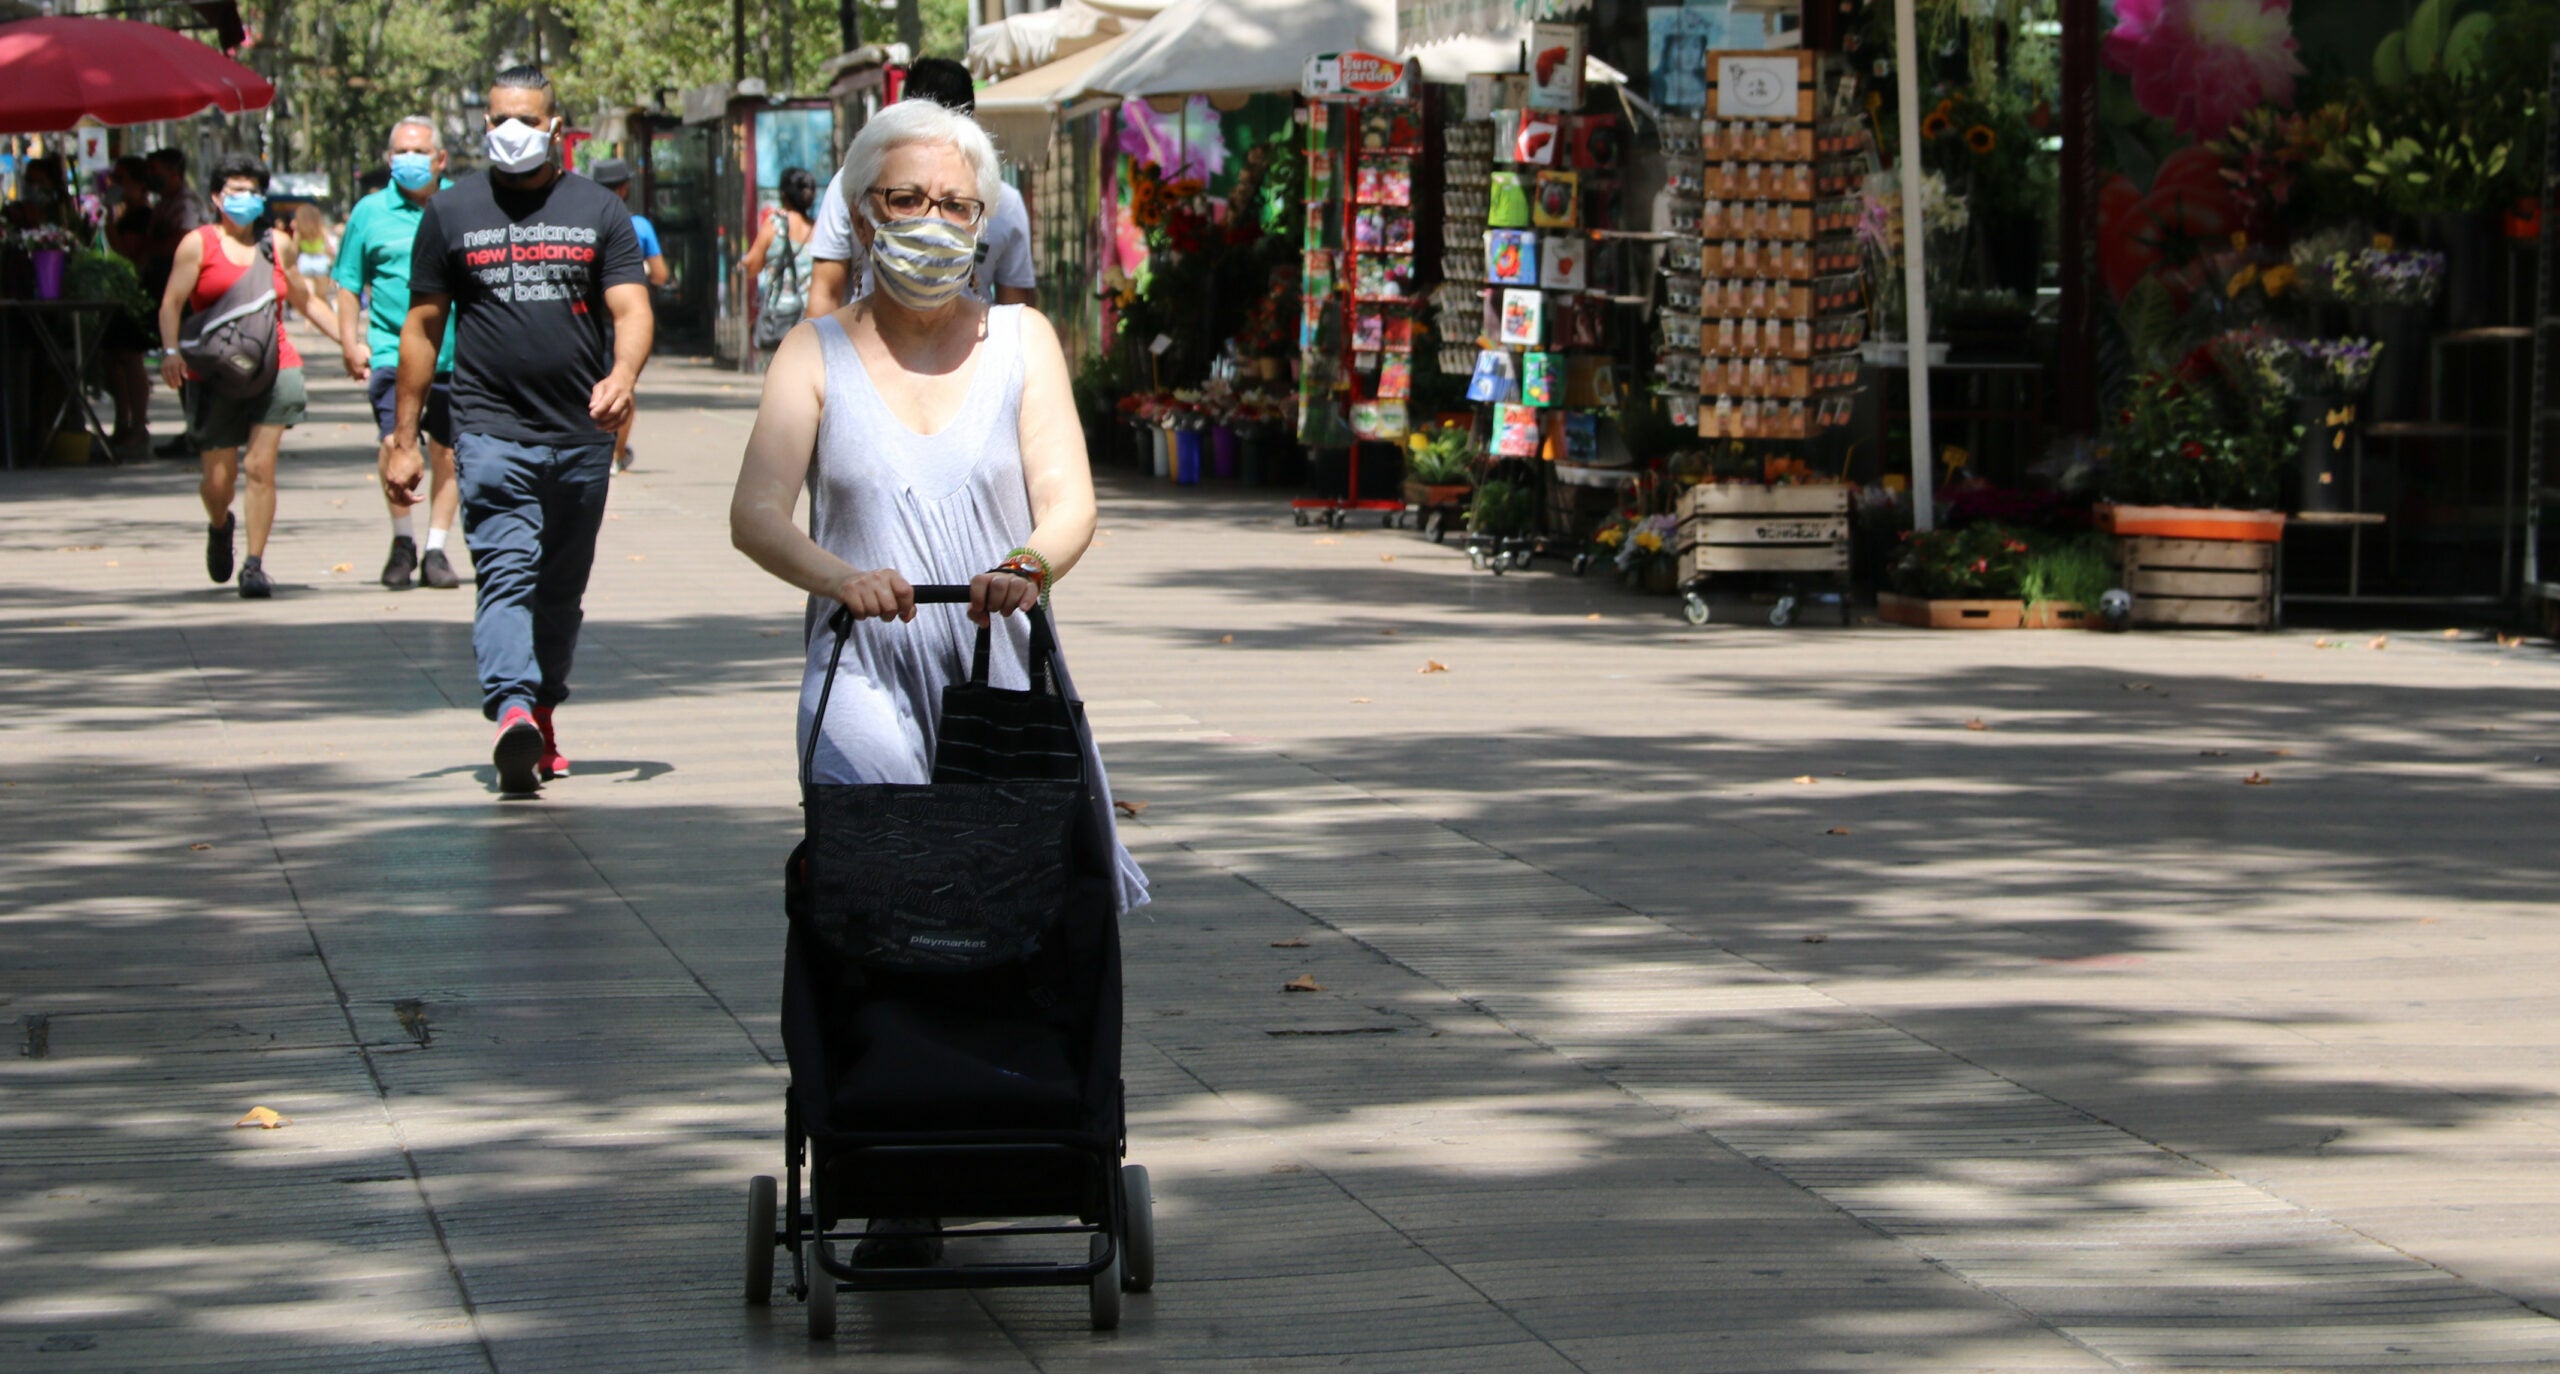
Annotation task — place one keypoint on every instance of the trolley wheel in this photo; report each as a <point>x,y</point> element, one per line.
<point>1475,558</point>
<point>1138,1226</point>
<point>1524,558</point>
<point>1783,614</point>
<point>1432,529</point>
<point>760,1242</point>
<point>1301,517</point>
<point>1581,564</point>
<point>1337,517</point>
<point>1104,1291</point>
<point>822,1298</point>
<point>1393,520</point>
<point>1693,608</point>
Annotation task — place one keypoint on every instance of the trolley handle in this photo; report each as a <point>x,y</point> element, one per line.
<point>1043,665</point>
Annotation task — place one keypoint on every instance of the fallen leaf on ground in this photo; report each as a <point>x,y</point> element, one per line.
<point>1131,808</point>
<point>2510,641</point>
<point>2379,642</point>
<point>342,567</point>
<point>1388,631</point>
<point>2280,753</point>
<point>1433,665</point>
<point>1839,830</point>
<point>1806,779</point>
<point>262,1118</point>
<point>1816,939</point>
<point>2256,779</point>
<point>1226,639</point>
<point>639,558</point>
<point>340,501</point>
<point>1359,701</point>
<point>2213,753</point>
<point>80,548</point>
<point>199,846</point>
<point>1288,944</point>
<point>2453,634</point>
<point>2135,686</point>
<point>114,563</point>
<point>1386,558</point>
<point>1595,615</point>
<point>1302,983</point>
<point>1976,724</point>
<point>1328,539</point>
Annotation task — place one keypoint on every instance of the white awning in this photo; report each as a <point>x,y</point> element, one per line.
<point>1021,113</point>
<point>1243,47</point>
<point>1022,42</point>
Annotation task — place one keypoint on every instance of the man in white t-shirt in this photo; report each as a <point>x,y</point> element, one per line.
<point>1005,273</point>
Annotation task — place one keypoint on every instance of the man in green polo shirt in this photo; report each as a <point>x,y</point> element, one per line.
<point>373,264</point>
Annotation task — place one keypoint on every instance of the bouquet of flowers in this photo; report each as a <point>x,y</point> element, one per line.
<point>2393,276</point>
<point>42,238</point>
<point>2332,367</point>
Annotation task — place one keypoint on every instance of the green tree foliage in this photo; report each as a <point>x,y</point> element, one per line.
<point>346,70</point>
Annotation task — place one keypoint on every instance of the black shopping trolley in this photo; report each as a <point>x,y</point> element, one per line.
<point>951,1016</point>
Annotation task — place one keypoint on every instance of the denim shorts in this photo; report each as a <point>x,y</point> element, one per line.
<point>382,387</point>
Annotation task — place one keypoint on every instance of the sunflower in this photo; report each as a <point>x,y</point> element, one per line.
<point>1936,126</point>
<point>1980,138</point>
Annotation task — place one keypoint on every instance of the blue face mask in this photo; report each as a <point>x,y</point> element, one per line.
<point>413,171</point>
<point>244,207</point>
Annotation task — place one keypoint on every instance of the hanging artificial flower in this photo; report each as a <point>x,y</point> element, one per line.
<point>2201,64</point>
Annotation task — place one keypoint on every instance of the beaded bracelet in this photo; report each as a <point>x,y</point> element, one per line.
<point>1027,562</point>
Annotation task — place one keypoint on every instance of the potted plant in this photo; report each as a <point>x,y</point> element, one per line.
<point>2193,455</point>
<point>1503,509</point>
<point>1957,579</point>
<point>1436,466</point>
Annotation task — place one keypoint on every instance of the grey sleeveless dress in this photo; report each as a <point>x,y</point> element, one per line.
<point>937,508</point>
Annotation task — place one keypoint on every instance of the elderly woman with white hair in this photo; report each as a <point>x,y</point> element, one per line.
<point>939,442</point>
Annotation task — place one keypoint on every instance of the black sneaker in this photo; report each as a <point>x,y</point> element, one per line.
<point>179,447</point>
<point>436,570</point>
<point>254,585</point>
<point>217,549</point>
<point>518,753</point>
<point>403,561</point>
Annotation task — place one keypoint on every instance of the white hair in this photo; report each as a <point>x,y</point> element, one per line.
<point>911,122</point>
<point>434,131</point>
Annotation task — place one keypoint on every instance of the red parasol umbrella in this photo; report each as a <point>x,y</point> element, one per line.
<point>54,71</point>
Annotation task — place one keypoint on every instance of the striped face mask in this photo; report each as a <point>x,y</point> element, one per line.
<point>923,262</point>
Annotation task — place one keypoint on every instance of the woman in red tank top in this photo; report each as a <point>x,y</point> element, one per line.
<point>237,434</point>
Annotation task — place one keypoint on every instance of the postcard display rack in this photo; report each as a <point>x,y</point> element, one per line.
<point>1533,271</point>
<point>1764,288</point>
<point>1365,134</point>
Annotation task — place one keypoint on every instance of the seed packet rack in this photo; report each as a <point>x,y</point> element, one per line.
<point>1366,136</point>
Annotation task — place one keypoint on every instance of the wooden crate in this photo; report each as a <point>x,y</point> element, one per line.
<point>1741,527</point>
<point>2199,581</point>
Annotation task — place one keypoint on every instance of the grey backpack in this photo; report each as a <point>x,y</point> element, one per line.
<point>231,344</point>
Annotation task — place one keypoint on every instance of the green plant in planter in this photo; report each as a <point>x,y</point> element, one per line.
<point>2198,441</point>
<point>1440,457</point>
<point>1981,562</point>
<point>1503,507</point>
<point>2075,571</point>
<point>2451,121</point>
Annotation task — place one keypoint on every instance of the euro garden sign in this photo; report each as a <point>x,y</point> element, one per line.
<point>1364,75</point>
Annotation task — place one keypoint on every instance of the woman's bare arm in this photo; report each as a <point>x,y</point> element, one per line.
<point>1054,466</point>
<point>769,482</point>
<point>754,260</point>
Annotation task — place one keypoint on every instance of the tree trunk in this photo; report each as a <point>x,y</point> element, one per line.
<point>911,27</point>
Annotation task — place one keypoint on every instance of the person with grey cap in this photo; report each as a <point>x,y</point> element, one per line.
<point>614,174</point>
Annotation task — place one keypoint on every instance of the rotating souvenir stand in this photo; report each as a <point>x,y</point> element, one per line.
<point>1355,377</point>
<point>1766,291</point>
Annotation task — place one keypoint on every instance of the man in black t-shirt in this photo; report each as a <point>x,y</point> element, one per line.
<point>542,273</point>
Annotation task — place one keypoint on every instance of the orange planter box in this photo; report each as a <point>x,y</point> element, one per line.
<point>1933,614</point>
<point>2192,522</point>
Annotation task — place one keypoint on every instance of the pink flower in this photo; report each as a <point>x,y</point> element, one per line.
<point>2201,64</point>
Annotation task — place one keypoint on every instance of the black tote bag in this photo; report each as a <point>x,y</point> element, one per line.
<point>973,870</point>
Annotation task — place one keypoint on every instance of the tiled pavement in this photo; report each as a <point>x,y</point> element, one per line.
<point>1694,1000</point>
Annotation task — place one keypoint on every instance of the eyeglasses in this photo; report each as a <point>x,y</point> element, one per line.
<point>910,202</point>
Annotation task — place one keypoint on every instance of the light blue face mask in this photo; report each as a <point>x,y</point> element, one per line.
<point>413,171</point>
<point>244,207</point>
